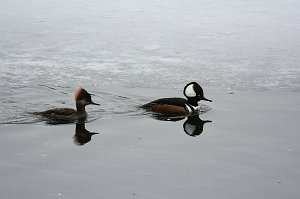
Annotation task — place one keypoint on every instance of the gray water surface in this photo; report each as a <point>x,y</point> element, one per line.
<point>250,150</point>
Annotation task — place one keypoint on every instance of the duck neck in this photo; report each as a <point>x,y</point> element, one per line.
<point>80,109</point>
<point>193,101</point>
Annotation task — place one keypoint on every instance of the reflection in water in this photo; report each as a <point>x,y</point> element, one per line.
<point>193,126</point>
<point>167,117</point>
<point>82,136</point>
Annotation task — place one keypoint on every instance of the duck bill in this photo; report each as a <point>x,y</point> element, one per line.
<point>206,99</point>
<point>95,103</point>
<point>207,121</point>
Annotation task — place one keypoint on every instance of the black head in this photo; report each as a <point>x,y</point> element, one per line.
<point>84,98</point>
<point>194,92</point>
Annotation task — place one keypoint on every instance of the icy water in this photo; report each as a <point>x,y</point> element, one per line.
<point>245,55</point>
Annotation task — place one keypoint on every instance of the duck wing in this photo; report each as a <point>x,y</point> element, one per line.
<point>167,105</point>
<point>59,115</point>
<point>59,111</point>
<point>167,101</point>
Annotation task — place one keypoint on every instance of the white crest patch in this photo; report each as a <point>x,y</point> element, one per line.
<point>189,91</point>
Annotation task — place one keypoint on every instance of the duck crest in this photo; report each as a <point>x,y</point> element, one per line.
<point>189,90</point>
<point>80,93</point>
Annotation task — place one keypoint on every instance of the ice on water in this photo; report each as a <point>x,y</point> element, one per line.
<point>236,44</point>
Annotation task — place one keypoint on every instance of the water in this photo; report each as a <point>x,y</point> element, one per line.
<point>131,52</point>
<point>232,45</point>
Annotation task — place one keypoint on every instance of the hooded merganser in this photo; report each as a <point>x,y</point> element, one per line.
<point>68,115</point>
<point>179,106</point>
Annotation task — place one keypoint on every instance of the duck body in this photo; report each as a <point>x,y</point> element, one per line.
<point>62,115</point>
<point>171,106</point>
<point>179,106</point>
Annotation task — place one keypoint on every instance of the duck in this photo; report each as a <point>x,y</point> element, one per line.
<point>69,115</point>
<point>179,106</point>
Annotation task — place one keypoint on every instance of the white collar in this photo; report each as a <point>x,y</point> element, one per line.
<point>196,108</point>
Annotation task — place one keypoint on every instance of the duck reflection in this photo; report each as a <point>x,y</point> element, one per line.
<point>82,136</point>
<point>193,126</point>
<point>167,117</point>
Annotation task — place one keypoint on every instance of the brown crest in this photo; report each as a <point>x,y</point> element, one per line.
<point>80,94</point>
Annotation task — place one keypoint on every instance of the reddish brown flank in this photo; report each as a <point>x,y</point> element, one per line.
<point>165,108</point>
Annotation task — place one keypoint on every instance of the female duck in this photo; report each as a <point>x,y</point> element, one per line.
<point>68,115</point>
